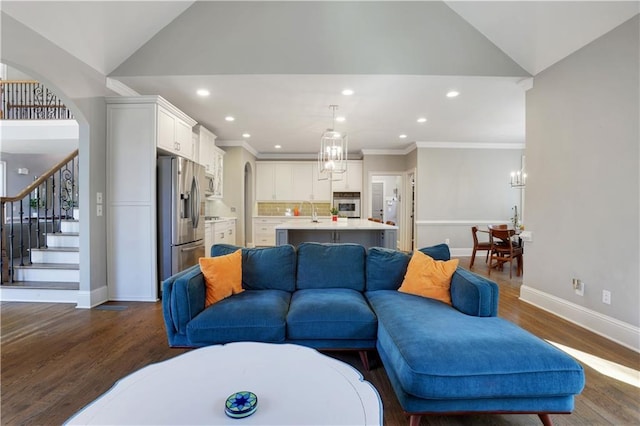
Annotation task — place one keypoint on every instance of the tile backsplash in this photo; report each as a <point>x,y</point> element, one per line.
<point>279,209</point>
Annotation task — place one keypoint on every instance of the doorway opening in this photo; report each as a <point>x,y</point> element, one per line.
<point>386,189</point>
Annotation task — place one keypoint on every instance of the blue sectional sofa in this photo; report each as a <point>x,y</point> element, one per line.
<point>440,358</point>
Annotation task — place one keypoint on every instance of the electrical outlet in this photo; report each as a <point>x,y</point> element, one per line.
<point>578,287</point>
<point>606,297</point>
<point>446,241</point>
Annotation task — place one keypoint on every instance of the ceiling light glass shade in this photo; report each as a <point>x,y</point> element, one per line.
<point>332,157</point>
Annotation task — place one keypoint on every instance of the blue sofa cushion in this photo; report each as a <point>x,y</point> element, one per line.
<point>268,268</point>
<point>331,266</point>
<point>253,315</point>
<point>386,268</point>
<point>335,313</point>
<point>438,252</point>
<point>467,356</point>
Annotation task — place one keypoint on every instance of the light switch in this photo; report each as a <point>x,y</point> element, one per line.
<point>99,197</point>
<point>99,210</point>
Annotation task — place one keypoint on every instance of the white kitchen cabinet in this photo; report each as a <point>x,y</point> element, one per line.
<point>224,232</point>
<point>175,132</point>
<point>273,181</point>
<point>206,146</point>
<point>290,181</point>
<point>351,179</point>
<point>135,126</point>
<point>208,238</point>
<point>211,157</point>
<point>264,230</point>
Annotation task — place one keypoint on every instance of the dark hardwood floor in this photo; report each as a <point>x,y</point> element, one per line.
<point>56,359</point>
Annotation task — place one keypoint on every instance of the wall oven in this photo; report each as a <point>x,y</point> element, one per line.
<point>347,203</point>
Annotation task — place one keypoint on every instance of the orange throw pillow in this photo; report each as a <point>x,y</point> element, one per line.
<point>222,276</point>
<point>428,277</point>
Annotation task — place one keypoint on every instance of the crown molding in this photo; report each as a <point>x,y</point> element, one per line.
<point>470,145</point>
<point>404,151</point>
<point>120,88</point>
<point>242,144</point>
<point>526,83</point>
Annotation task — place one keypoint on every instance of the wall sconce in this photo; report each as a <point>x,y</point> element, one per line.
<point>518,179</point>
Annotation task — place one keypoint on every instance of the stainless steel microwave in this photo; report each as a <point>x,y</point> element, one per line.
<point>347,203</point>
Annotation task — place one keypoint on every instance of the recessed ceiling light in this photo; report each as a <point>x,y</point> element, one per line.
<point>402,136</point>
<point>246,135</point>
<point>340,119</point>
<point>421,120</point>
<point>452,94</point>
<point>347,92</point>
<point>229,118</point>
<point>277,146</point>
<point>203,92</point>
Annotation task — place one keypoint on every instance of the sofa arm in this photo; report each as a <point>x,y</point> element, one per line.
<point>473,294</point>
<point>183,297</point>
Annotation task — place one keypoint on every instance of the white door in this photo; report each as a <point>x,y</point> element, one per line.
<point>377,200</point>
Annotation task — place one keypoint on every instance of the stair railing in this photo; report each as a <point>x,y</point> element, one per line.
<point>30,100</point>
<point>46,202</point>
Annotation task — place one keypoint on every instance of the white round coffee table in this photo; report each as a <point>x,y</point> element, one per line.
<point>295,385</point>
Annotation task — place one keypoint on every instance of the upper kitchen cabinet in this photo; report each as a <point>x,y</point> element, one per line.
<point>273,181</point>
<point>211,157</point>
<point>351,179</point>
<point>206,143</point>
<point>290,181</point>
<point>174,130</point>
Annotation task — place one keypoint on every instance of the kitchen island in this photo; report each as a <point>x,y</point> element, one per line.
<point>359,231</point>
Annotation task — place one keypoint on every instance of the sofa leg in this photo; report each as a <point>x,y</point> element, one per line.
<point>546,419</point>
<point>364,358</point>
<point>414,420</point>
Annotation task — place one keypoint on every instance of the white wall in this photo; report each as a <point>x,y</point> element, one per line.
<point>459,188</point>
<point>583,188</point>
<point>235,159</point>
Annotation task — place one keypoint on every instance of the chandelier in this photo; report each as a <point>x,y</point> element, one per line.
<point>332,158</point>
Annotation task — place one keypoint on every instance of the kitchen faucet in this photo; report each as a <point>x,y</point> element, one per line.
<point>314,212</point>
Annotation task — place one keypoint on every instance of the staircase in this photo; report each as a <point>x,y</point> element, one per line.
<point>58,264</point>
<point>40,253</point>
<point>54,272</point>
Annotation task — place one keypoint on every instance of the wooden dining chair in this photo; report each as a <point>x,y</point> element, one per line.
<point>479,245</point>
<point>503,250</point>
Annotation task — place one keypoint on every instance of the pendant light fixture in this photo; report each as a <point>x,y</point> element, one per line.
<point>332,158</point>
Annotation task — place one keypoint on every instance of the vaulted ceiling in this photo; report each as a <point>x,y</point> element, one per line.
<point>277,66</point>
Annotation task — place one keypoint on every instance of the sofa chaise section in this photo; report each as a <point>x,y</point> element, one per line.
<point>461,358</point>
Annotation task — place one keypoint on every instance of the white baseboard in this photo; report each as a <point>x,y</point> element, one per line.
<point>615,330</point>
<point>42,295</point>
<point>465,252</point>
<point>90,299</point>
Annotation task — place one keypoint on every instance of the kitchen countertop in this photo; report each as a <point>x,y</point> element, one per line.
<point>208,219</point>
<point>328,224</point>
<point>292,217</point>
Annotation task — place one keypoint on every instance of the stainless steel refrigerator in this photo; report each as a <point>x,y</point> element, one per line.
<point>180,184</point>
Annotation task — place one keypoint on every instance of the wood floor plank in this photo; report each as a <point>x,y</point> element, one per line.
<point>55,359</point>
